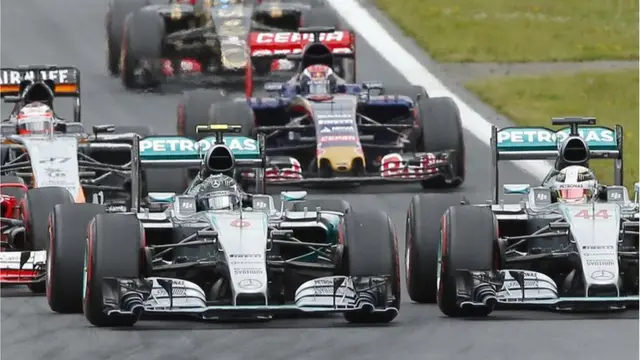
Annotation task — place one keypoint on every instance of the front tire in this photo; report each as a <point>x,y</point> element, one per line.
<point>65,259</point>
<point>468,242</point>
<point>372,250</point>
<point>114,250</point>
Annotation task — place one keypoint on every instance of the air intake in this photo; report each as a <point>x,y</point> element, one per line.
<point>219,159</point>
<point>574,151</point>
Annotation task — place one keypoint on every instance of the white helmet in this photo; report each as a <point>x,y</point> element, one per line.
<point>575,184</point>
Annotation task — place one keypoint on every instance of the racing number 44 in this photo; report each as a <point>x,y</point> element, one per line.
<point>586,214</point>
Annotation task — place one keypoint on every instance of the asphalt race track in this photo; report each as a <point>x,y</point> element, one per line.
<point>71,32</point>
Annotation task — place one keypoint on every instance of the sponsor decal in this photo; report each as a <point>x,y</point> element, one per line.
<point>187,145</point>
<point>245,256</point>
<point>174,291</point>
<point>602,275</point>
<point>267,52</point>
<point>291,37</point>
<point>329,118</point>
<point>12,77</point>
<point>250,284</point>
<point>523,136</point>
<point>338,138</point>
<point>54,173</point>
<point>116,208</point>
<point>248,271</point>
<point>600,263</point>
<point>187,205</point>
<point>54,160</point>
<point>240,223</point>
<point>343,129</point>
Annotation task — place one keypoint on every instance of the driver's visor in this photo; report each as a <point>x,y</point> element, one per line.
<point>35,125</point>
<point>573,194</point>
<point>222,202</point>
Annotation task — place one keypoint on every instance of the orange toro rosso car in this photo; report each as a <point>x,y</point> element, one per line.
<point>322,129</point>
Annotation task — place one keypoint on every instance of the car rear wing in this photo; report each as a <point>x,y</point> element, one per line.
<point>280,45</point>
<point>541,143</point>
<point>63,81</point>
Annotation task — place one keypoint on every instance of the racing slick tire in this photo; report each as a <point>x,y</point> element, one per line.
<point>469,240</point>
<point>337,205</point>
<point>422,238</point>
<point>142,38</point>
<point>16,192</point>
<point>442,130</point>
<point>195,108</point>
<point>114,250</point>
<point>36,206</point>
<point>65,259</point>
<point>153,180</point>
<point>114,23</point>
<point>372,250</point>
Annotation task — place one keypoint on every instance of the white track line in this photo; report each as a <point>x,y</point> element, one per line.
<point>374,33</point>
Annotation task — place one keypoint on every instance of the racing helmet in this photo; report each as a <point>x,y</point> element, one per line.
<point>218,192</point>
<point>317,80</point>
<point>575,184</point>
<point>35,118</point>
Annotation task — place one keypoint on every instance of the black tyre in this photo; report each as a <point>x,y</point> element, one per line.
<point>36,206</point>
<point>114,22</point>
<point>16,192</point>
<point>65,259</point>
<point>114,249</point>
<point>143,36</point>
<point>442,130</point>
<point>324,204</point>
<point>372,250</point>
<point>468,241</point>
<point>422,238</point>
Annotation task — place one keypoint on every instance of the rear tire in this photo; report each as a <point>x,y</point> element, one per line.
<point>372,250</point>
<point>143,36</point>
<point>468,241</point>
<point>114,21</point>
<point>422,238</point>
<point>65,259</point>
<point>442,131</point>
<point>114,250</point>
<point>37,204</point>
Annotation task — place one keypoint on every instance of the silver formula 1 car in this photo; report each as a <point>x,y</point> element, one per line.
<point>540,253</point>
<point>252,262</point>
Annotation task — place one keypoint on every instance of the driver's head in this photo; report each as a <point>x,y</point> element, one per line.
<point>317,80</point>
<point>35,118</point>
<point>218,192</point>
<point>575,184</point>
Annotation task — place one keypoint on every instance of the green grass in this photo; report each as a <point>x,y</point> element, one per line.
<point>519,30</point>
<point>612,97</point>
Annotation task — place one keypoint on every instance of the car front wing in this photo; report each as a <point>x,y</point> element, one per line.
<point>166,296</point>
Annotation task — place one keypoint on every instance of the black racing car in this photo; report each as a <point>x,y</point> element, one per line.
<point>196,41</point>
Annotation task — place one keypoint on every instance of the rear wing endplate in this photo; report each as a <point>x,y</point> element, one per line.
<point>541,143</point>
